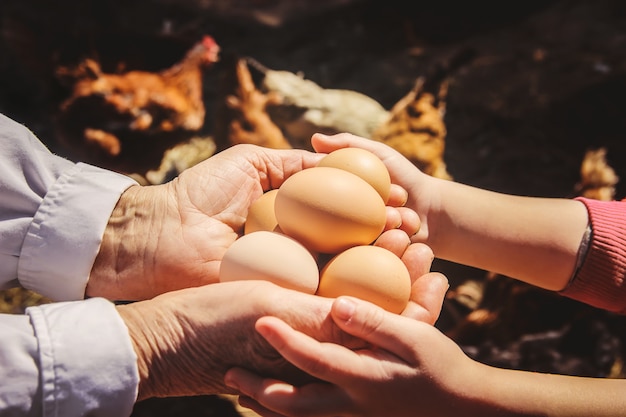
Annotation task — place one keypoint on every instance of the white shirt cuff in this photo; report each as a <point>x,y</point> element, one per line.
<point>64,237</point>
<point>87,362</point>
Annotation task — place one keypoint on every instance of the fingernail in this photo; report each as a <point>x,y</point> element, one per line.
<point>405,198</point>
<point>321,135</point>
<point>344,308</point>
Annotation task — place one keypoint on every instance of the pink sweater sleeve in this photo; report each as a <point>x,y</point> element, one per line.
<point>601,280</point>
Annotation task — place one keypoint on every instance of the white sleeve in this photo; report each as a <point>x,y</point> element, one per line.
<point>67,359</point>
<point>53,213</point>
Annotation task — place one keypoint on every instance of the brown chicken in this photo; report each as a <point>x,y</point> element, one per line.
<point>243,116</point>
<point>113,119</point>
<point>416,128</point>
<point>303,108</point>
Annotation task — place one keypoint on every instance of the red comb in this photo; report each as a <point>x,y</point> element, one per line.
<point>209,42</point>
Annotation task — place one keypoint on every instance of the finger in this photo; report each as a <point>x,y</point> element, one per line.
<point>410,221</point>
<point>427,289</point>
<point>326,361</point>
<point>375,325</point>
<point>254,405</point>
<point>274,166</point>
<point>281,399</point>
<point>398,196</point>
<point>418,258</point>
<point>393,218</point>
<point>257,393</point>
<point>246,382</point>
<point>398,165</point>
<point>402,218</point>
<point>427,295</point>
<point>329,143</point>
<point>394,240</point>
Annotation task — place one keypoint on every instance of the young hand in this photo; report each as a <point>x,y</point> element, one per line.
<point>409,368</point>
<point>532,239</point>
<point>401,170</point>
<point>428,289</point>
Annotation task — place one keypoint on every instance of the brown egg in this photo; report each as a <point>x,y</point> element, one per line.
<point>370,273</point>
<point>273,257</point>
<point>363,163</point>
<point>329,210</point>
<point>261,214</point>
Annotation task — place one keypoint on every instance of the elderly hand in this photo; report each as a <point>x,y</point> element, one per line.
<point>185,340</point>
<point>173,236</point>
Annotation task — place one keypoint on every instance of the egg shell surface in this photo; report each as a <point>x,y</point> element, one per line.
<point>363,163</point>
<point>329,210</point>
<point>273,257</point>
<point>370,273</point>
<point>261,214</point>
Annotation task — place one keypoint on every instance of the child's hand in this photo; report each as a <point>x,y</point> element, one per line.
<point>411,368</point>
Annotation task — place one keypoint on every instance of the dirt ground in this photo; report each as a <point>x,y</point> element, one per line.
<point>546,81</point>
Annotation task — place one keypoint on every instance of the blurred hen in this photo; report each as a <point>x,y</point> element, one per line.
<point>302,107</point>
<point>414,126</point>
<point>116,120</point>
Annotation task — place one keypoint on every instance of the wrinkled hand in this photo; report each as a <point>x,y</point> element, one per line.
<point>412,369</point>
<point>185,340</point>
<point>173,236</point>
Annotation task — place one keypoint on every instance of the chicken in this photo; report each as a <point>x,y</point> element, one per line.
<point>306,108</point>
<point>244,117</point>
<point>113,118</point>
<point>416,128</point>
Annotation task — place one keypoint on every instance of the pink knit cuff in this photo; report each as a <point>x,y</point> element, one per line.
<point>601,280</point>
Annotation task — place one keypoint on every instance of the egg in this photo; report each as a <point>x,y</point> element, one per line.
<point>329,210</point>
<point>261,214</point>
<point>270,256</point>
<point>363,163</point>
<point>370,273</point>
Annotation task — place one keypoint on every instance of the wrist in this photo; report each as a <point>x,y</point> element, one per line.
<point>426,199</point>
<point>141,341</point>
<point>487,391</point>
<point>124,252</point>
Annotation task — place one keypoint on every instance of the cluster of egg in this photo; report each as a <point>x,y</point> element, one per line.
<point>315,233</point>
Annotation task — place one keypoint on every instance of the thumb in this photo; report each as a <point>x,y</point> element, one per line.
<point>375,325</point>
<point>325,144</point>
<point>428,293</point>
